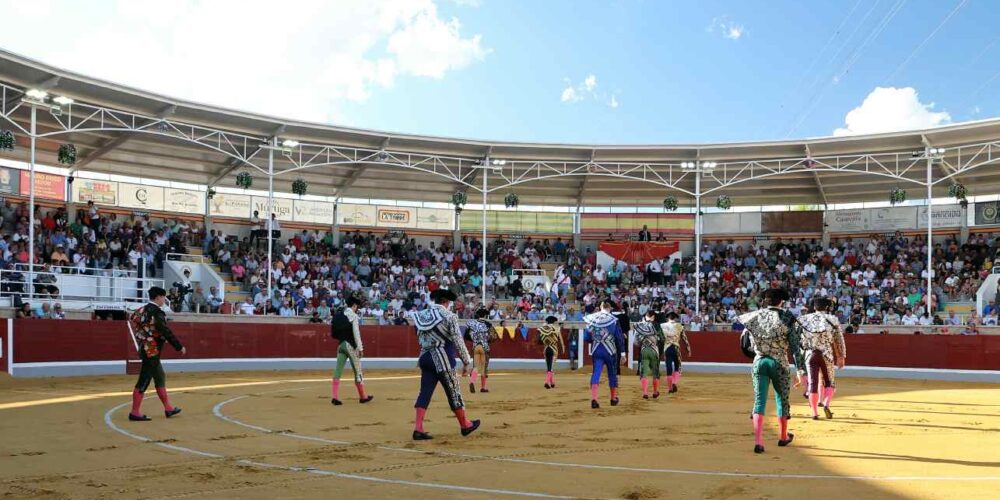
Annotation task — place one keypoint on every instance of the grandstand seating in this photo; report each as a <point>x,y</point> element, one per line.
<point>878,279</point>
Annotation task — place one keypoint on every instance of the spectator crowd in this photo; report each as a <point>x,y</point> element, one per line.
<point>877,280</point>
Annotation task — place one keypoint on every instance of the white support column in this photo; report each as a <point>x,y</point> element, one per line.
<point>270,209</point>
<point>578,228</point>
<point>31,206</point>
<point>486,174</point>
<point>697,244</point>
<point>930,237</point>
<point>335,229</point>
<point>579,348</point>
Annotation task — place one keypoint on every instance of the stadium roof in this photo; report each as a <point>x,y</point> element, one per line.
<point>127,131</point>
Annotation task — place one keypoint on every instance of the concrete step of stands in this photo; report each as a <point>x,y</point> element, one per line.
<point>233,287</point>
<point>195,251</point>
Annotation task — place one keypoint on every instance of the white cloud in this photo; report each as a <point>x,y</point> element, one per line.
<point>727,28</point>
<point>429,46</point>
<point>300,61</point>
<point>586,89</point>
<point>467,3</point>
<point>889,109</point>
<point>569,95</point>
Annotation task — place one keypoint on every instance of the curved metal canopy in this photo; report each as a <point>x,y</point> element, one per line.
<point>130,132</point>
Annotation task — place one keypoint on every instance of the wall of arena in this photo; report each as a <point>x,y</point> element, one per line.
<point>90,347</point>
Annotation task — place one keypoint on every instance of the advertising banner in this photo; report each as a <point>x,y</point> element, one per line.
<point>396,216</point>
<point>184,201</point>
<point>559,223</point>
<point>721,223</point>
<point>894,219</point>
<point>349,214</point>
<point>282,208</point>
<point>99,192</point>
<point>843,221</point>
<point>230,205</point>
<point>48,186</point>
<point>792,222</point>
<point>435,218</point>
<point>944,216</point>
<point>668,224</point>
<point>10,181</point>
<point>316,212</point>
<point>988,213</point>
<point>140,197</point>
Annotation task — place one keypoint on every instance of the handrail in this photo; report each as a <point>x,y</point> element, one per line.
<point>71,270</point>
<point>105,286</point>
<point>186,257</point>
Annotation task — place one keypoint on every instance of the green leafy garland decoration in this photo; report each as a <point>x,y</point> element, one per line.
<point>896,196</point>
<point>670,203</point>
<point>6,140</point>
<point>724,203</point>
<point>244,180</point>
<point>957,190</point>
<point>299,186</point>
<point>511,200</point>
<point>458,199</point>
<point>67,154</point>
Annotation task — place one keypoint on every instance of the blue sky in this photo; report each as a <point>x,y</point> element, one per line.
<point>590,72</point>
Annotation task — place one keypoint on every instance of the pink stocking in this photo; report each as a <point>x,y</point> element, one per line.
<point>418,422</point>
<point>784,428</point>
<point>593,392</point>
<point>656,385</point>
<point>335,389</point>
<point>758,429</point>
<point>462,421</point>
<point>645,386</point>
<point>830,391</point>
<point>136,402</point>
<point>472,377</point>
<point>162,393</point>
<point>361,391</point>
<point>814,402</point>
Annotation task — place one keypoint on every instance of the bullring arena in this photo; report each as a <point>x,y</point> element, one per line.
<point>916,415</point>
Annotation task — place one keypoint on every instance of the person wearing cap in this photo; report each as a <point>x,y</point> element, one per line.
<point>607,348</point>
<point>437,334</point>
<point>148,325</point>
<point>650,340</point>
<point>550,336</point>
<point>481,334</point>
<point>773,333</point>
<point>823,345</point>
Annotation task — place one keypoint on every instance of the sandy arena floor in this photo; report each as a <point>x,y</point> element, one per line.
<point>275,434</point>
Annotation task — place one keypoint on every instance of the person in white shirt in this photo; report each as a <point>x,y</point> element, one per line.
<point>909,319</point>
<point>247,307</point>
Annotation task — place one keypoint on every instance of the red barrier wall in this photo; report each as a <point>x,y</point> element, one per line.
<point>4,348</point>
<point>47,341</point>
